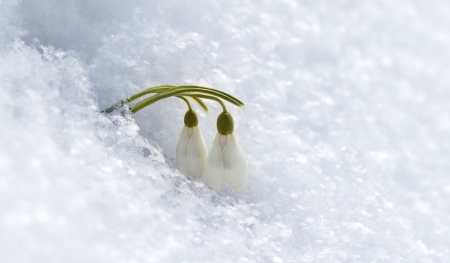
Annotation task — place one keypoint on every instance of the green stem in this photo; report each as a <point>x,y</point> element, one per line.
<point>224,108</point>
<point>213,92</point>
<point>187,102</point>
<point>186,91</point>
<point>157,89</point>
<point>200,103</point>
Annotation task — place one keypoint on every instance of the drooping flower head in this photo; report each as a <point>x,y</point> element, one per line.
<point>191,147</point>
<point>226,160</point>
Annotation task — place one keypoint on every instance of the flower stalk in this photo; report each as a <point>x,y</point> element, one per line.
<point>157,89</point>
<point>194,91</point>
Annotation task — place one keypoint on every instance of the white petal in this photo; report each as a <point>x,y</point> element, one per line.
<point>235,164</point>
<point>214,165</point>
<point>196,154</point>
<point>182,151</point>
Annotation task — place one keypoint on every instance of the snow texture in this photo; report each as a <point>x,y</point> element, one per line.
<point>346,131</point>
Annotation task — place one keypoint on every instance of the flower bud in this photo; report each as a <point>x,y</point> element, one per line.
<point>190,119</point>
<point>225,124</point>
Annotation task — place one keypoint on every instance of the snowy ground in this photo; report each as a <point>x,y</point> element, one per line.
<point>346,131</point>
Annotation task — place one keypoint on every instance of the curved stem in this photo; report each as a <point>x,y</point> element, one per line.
<point>186,91</point>
<point>119,104</point>
<point>187,102</point>
<point>213,92</point>
<point>224,108</point>
<point>157,89</point>
<point>201,103</point>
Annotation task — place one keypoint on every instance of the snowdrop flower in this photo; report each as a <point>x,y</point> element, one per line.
<point>226,160</point>
<point>191,147</point>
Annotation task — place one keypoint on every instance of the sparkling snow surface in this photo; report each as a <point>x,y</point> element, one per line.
<point>346,131</point>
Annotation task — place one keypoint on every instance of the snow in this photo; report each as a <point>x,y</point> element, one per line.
<point>346,131</point>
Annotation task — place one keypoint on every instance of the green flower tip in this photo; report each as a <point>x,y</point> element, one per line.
<point>190,119</point>
<point>225,124</point>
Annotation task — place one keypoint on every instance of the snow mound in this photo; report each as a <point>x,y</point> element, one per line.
<point>345,130</point>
